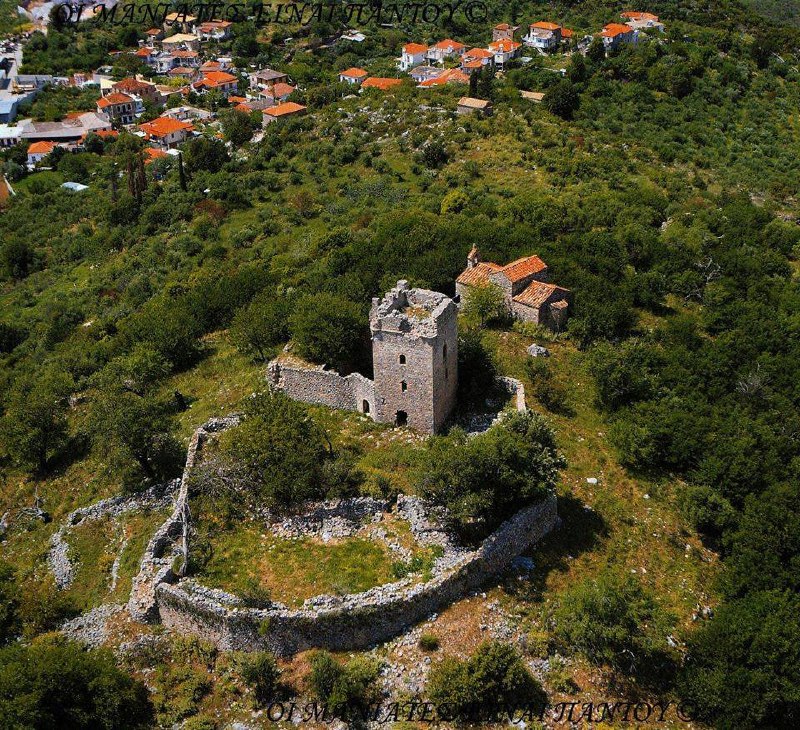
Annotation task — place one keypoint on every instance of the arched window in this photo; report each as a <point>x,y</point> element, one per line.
<point>402,359</point>
<point>403,386</point>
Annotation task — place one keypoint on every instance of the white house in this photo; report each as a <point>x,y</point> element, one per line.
<point>445,49</point>
<point>354,76</point>
<point>504,50</point>
<point>543,35</point>
<point>642,21</point>
<point>615,34</point>
<point>166,132</point>
<point>413,55</point>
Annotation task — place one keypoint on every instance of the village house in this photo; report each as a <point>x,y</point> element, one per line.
<point>220,81</point>
<point>119,107</point>
<point>10,134</point>
<point>544,35</point>
<point>616,34</point>
<point>153,34</point>
<point>445,49</point>
<point>188,112</point>
<point>529,295</point>
<point>38,151</point>
<point>70,129</point>
<point>448,76</point>
<point>282,111</point>
<point>352,76</point>
<point>181,41</point>
<point>504,31</point>
<point>504,51</point>
<point>424,73</point>
<point>475,59</point>
<point>153,153</point>
<point>213,30</point>
<point>381,83</point>
<point>468,105</point>
<point>278,92</point>
<point>146,54</point>
<point>166,132</point>
<point>179,22</point>
<point>266,78</point>
<point>642,21</point>
<point>145,90</point>
<point>413,54</point>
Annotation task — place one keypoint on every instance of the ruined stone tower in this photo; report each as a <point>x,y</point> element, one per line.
<point>415,357</point>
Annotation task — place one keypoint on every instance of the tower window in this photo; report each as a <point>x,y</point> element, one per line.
<point>402,359</point>
<point>403,386</point>
<point>401,418</point>
<point>365,406</point>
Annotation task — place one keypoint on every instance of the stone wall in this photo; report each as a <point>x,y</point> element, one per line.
<point>353,621</point>
<point>323,387</point>
<point>165,545</point>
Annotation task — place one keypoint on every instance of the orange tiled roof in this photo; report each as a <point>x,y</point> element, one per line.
<point>473,64</point>
<point>131,84</point>
<point>144,52</point>
<point>377,82</point>
<point>281,89</point>
<point>183,54</point>
<point>414,48</point>
<point>612,30</point>
<point>526,266</point>
<point>504,46</point>
<point>111,99</point>
<point>635,15</point>
<point>477,275</point>
<point>162,126</point>
<point>288,107</point>
<point>106,133</point>
<point>354,73</point>
<point>450,76</point>
<point>153,154</point>
<point>38,148</point>
<point>545,25</point>
<point>447,44</point>
<point>502,26</point>
<point>237,99</point>
<point>478,53</point>
<point>219,77</point>
<point>566,33</point>
<point>538,292</point>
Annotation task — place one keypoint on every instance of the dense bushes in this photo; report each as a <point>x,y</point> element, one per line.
<point>485,479</point>
<point>347,689</point>
<point>54,683</point>
<point>492,679</point>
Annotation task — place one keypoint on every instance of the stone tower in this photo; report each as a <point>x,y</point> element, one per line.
<point>414,357</point>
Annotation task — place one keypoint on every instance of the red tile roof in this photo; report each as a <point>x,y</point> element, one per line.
<point>477,275</point>
<point>448,44</point>
<point>545,25</point>
<point>636,15</point>
<point>538,292</point>
<point>281,89</point>
<point>414,48</point>
<point>38,148</point>
<point>612,30</point>
<point>526,266</point>
<point>450,76</point>
<point>131,85</point>
<point>353,73</point>
<point>281,110</point>
<point>162,126</point>
<point>111,99</point>
<point>478,53</point>
<point>151,153</point>
<point>377,82</point>
<point>504,46</point>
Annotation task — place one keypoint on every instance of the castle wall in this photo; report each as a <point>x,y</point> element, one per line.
<point>355,621</point>
<point>324,387</point>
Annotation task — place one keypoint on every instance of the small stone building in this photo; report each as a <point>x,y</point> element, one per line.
<point>468,105</point>
<point>526,286</point>
<point>415,364</point>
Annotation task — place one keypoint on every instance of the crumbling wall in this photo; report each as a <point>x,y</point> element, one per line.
<point>323,387</point>
<point>341,623</point>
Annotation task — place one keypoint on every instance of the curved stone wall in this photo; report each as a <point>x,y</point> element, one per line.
<point>353,621</point>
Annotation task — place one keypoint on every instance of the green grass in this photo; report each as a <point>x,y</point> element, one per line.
<point>294,570</point>
<point>93,547</point>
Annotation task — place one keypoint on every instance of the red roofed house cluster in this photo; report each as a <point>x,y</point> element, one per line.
<point>529,295</point>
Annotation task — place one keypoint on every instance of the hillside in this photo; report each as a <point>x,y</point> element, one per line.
<point>659,184</point>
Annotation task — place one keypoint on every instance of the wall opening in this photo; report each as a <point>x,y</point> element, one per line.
<point>444,352</point>
<point>365,406</point>
<point>401,418</point>
<point>402,359</point>
<point>403,386</point>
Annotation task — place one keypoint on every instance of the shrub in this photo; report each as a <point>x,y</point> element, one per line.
<point>606,620</point>
<point>494,676</point>
<point>55,684</point>
<point>485,479</point>
<point>346,688</point>
<point>260,671</point>
<point>428,642</point>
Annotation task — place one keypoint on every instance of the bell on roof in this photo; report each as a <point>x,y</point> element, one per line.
<point>473,258</point>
